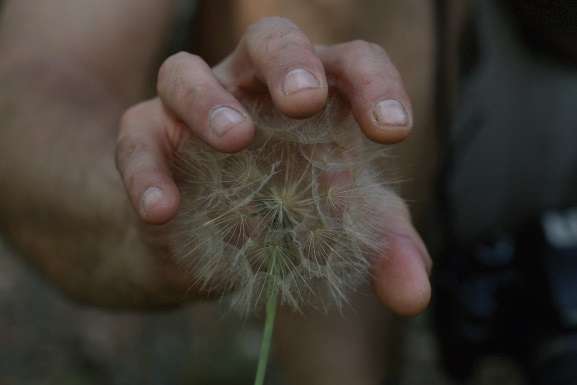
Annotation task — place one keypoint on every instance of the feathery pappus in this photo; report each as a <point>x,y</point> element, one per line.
<point>300,213</point>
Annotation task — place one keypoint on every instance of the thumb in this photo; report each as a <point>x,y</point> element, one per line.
<point>401,272</point>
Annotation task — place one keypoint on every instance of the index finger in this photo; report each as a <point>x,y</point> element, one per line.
<point>401,273</point>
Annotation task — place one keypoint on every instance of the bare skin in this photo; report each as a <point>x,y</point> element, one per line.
<point>66,83</point>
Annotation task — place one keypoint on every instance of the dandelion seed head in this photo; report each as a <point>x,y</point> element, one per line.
<point>301,211</point>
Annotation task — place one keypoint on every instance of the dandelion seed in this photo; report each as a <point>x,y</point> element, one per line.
<point>295,218</point>
<point>307,191</point>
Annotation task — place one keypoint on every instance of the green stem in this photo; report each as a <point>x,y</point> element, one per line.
<point>271,307</point>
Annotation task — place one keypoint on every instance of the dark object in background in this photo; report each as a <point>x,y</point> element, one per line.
<point>506,276</point>
<point>551,24</point>
<point>513,295</point>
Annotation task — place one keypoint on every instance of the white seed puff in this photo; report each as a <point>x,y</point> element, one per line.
<point>300,213</point>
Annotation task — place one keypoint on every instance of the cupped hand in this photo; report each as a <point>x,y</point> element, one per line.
<point>273,56</point>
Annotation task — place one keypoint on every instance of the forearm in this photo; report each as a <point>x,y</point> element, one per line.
<point>62,204</point>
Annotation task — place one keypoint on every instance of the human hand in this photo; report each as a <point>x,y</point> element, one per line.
<point>273,56</point>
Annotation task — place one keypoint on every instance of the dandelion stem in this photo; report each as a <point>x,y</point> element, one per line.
<point>271,308</point>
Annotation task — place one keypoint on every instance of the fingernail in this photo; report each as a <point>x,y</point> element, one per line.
<point>390,113</point>
<point>299,80</point>
<point>150,198</point>
<point>222,119</point>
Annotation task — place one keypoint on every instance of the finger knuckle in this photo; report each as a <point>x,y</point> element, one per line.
<point>293,37</point>
<point>129,152</point>
<point>175,66</point>
<point>193,60</point>
<point>363,47</point>
<point>191,93</point>
<point>134,113</point>
<point>274,36</point>
<point>125,148</point>
<point>126,144</point>
<point>270,22</point>
<point>366,60</point>
<point>127,118</point>
<point>132,177</point>
<point>172,62</point>
<point>368,49</point>
<point>291,47</point>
